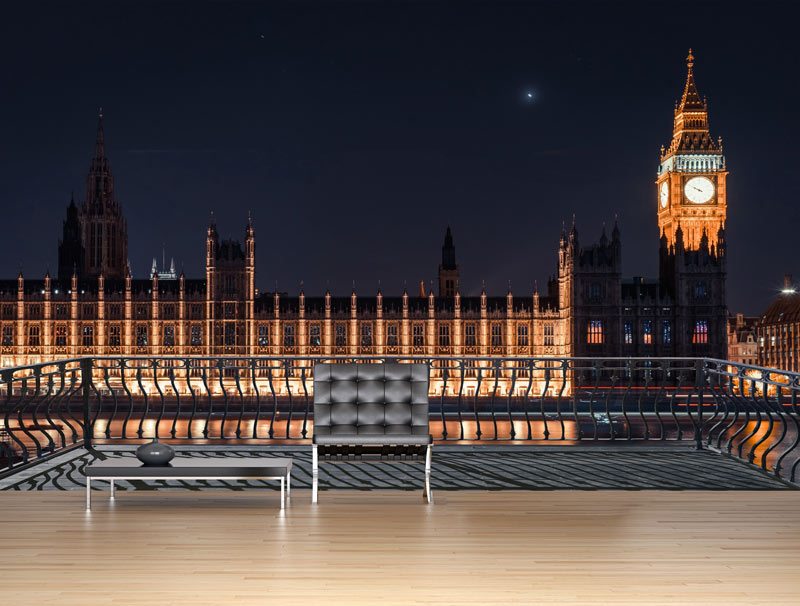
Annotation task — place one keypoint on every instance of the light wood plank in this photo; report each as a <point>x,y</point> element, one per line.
<point>388,547</point>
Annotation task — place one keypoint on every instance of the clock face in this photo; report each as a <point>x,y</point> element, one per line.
<point>699,190</point>
<point>663,194</point>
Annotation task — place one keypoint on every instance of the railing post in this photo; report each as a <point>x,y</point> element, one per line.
<point>86,385</point>
<point>699,383</point>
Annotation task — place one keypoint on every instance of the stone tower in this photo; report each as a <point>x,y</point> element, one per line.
<point>104,231</point>
<point>448,269</point>
<point>70,246</point>
<point>691,181</point>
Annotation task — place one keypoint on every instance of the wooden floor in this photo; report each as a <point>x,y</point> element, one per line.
<point>382,547</point>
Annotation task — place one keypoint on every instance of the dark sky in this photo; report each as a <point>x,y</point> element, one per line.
<point>356,132</point>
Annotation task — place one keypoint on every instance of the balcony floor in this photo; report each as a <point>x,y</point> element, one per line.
<point>213,548</point>
<point>664,466</point>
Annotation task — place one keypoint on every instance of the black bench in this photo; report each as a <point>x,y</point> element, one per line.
<point>371,411</point>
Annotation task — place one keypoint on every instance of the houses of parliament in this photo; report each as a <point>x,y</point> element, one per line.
<point>94,307</point>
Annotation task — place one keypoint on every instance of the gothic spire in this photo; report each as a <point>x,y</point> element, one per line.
<point>100,141</point>
<point>448,251</point>
<point>691,100</point>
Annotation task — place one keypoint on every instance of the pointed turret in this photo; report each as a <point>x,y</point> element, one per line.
<point>691,100</point>
<point>448,269</point>
<point>704,241</point>
<point>690,132</point>
<point>70,247</point>
<point>100,139</point>
<point>104,230</point>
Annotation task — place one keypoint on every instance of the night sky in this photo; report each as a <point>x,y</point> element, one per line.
<point>356,132</point>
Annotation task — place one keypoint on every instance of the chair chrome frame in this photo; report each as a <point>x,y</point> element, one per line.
<point>427,492</point>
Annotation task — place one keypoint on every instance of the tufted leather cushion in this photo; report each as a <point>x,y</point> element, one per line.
<point>371,404</point>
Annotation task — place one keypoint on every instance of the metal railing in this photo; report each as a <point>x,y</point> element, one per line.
<point>747,412</point>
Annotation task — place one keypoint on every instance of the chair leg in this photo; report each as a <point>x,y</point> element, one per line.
<point>428,492</point>
<point>314,473</point>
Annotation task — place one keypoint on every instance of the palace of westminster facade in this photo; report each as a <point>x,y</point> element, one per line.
<point>93,307</point>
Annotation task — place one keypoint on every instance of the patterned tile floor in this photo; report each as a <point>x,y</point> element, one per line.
<point>454,468</point>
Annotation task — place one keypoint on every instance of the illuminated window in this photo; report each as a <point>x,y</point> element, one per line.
<point>549,334</point>
<point>33,336</point>
<point>341,335</point>
<point>444,335</point>
<point>594,332</point>
<point>197,335</point>
<point>497,335</point>
<point>87,336</point>
<point>701,290</point>
<point>263,335</point>
<point>647,332</point>
<point>169,336</point>
<point>314,335</point>
<point>113,336</point>
<point>391,335</point>
<point>628,333</point>
<point>666,332</point>
<point>419,335</point>
<point>115,311</point>
<point>469,335</point>
<point>229,309</point>
<point>288,335</point>
<point>141,335</point>
<point>700,335</point>
<point>88,311</point>
<point>522,336</point>
<point>366,335</point>
<point>230,334</point>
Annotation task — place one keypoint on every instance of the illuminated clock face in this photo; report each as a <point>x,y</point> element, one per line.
<point>699,190</point>
<point>663,194</point>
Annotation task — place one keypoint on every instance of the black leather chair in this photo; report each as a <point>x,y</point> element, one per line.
<point>371,410</point>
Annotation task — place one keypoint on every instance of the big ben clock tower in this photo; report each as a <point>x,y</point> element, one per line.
<point>691,189</point>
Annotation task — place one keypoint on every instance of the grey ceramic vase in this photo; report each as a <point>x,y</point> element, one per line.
<point>154,454</point>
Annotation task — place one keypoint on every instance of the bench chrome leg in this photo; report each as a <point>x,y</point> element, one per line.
<point>314,473</point>
<point>283,494</point>
<point>428,493</point>
<point>88,494</point>
<point>289,485</point>
<point>113,491</point>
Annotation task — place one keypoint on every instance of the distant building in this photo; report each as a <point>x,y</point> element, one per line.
<point>779,330</point>
<point>95,307</point>
<point>743,339</point>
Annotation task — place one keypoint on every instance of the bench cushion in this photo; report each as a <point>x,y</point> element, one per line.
<point>371,403</point>
<point>188,467</point>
